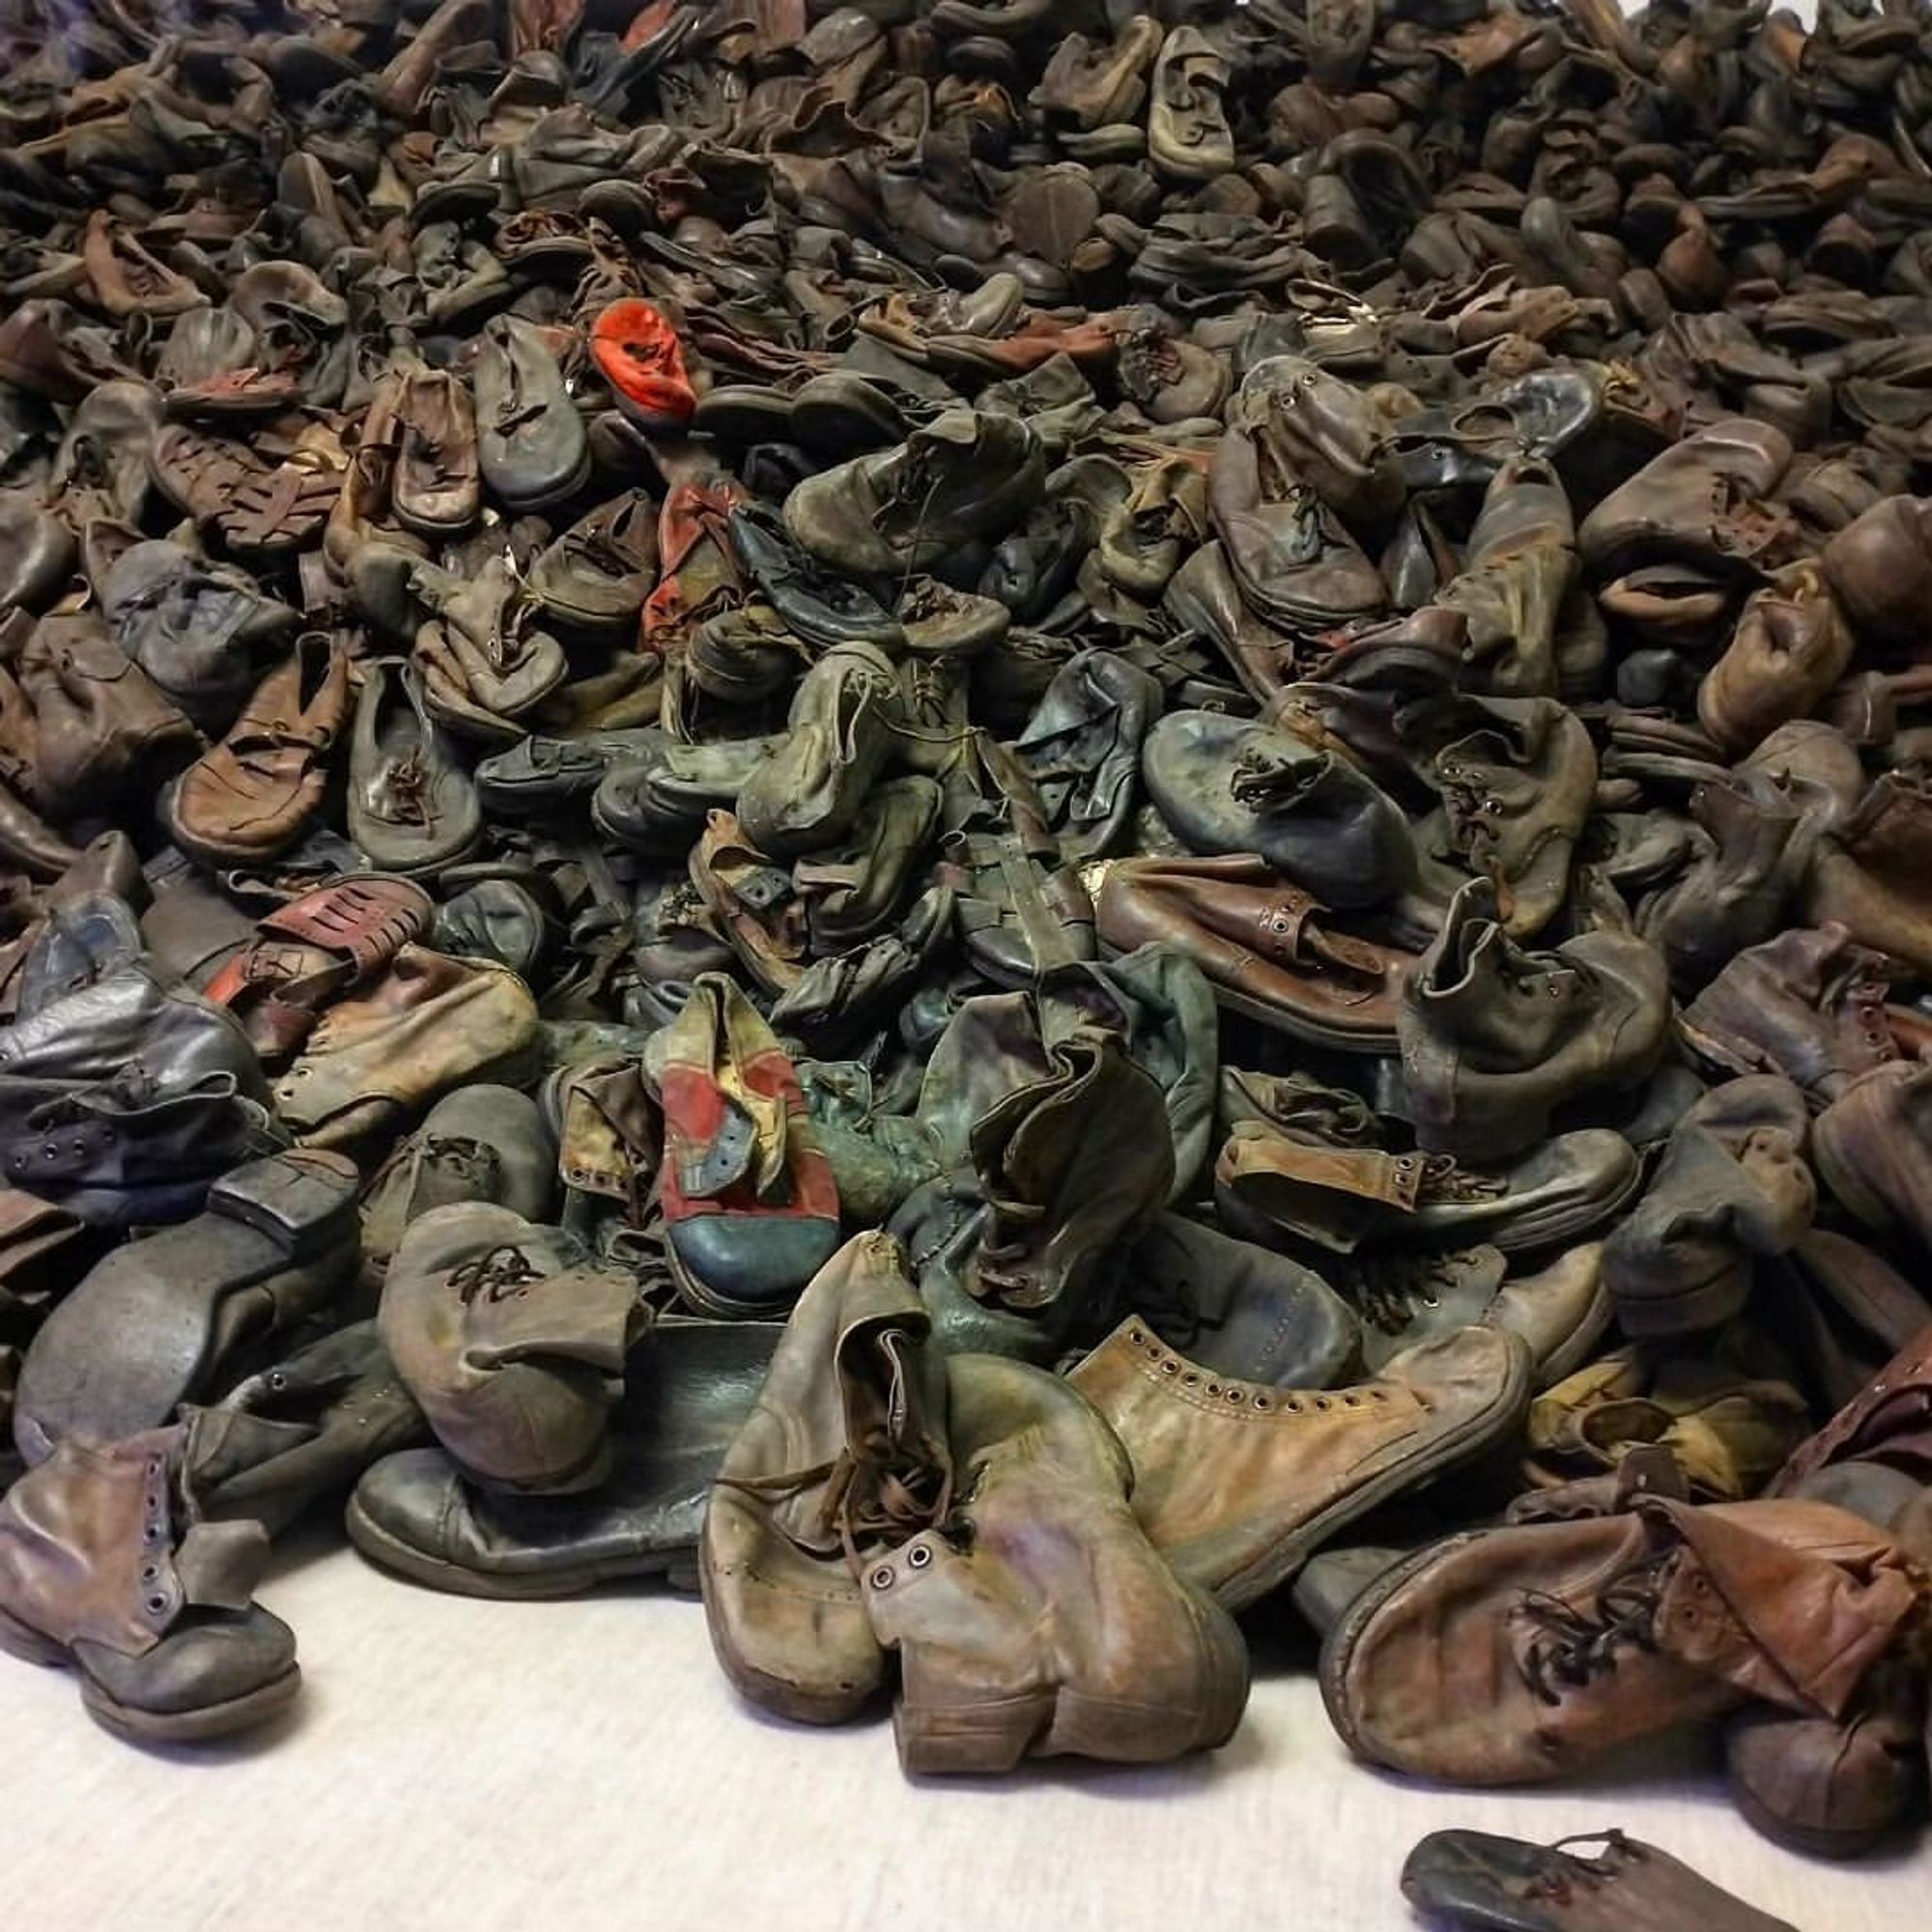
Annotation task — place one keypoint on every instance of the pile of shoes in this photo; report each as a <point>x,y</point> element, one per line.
<point>964,817</point>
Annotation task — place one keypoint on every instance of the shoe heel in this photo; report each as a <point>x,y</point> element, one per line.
<point>963,1743</point>
<point>24,1641</point>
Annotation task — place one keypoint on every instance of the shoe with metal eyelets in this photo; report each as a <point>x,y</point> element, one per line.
<point>107,1566</point>
<point>1517,1654</point>
<point>1036,1618</point>
<point>1239,1484</point>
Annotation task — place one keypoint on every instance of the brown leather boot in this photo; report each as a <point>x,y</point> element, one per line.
<point>844,1456</point>
<point>1515,1654</point>
<point>428,1024</point>
<point>1870,876</point>
<point>1792,645</point>
<point>107,1566</point>
<point>1834,1787</point>
<point>1809,1004</point>
<point>1494,1038</point>
<point>513,1341</point>
<point>1039,1620</point>
<point>1239,1484</point>
<point>1267,948</point>
<point>1873,1146</point>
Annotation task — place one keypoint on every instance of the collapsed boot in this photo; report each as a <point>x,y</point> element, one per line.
<point>688,1391</point>
<point>843,1458</point>
<point>1520,1654</point>
<point>1038,1619</point>
<point>511,1340</point>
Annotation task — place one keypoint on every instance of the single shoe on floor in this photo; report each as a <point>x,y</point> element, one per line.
<point>107,1566</point>
<point>1492,1883</point>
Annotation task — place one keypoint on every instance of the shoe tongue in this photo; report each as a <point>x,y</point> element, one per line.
<point>219,1564</point>
<point>958,427</point>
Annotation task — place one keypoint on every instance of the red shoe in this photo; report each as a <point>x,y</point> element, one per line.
<point>641,357</point>
<point>751,1209</point>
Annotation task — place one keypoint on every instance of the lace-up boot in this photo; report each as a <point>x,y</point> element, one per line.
<point>844,1458</point>
<point>106,1565</point>
<point>1239,1484</point>
<point>509,1339</point>
<point>1514,1655</point>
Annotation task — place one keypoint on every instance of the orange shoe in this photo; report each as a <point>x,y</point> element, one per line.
<point>639,355</point>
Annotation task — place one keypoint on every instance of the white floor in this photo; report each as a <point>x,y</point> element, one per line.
<point>545,1767</point>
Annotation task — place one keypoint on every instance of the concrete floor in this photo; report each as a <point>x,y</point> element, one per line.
<point>539,1768</point>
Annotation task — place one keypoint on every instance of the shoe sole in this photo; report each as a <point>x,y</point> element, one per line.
<point>150,1727</point>
<point>1481,1432</point>
<point>1338,1646</point>
<point>391,1554</point>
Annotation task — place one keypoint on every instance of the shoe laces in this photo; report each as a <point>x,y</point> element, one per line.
<point>405,796</point>
<point>1572,1646</point>
<point>1443,1180</point>
<point>1259,779</point>
<point>1557,1885</point>
<point>890,1481</point>
<point>495,1276</point>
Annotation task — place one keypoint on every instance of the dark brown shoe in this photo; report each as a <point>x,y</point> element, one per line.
<point>1268,952</point>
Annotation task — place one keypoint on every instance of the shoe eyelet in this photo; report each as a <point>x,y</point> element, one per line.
<point>1170,1368</point>
<point>1135,1336</point>
<point>881,1578</point>
<point>1262,1403</point>
<point>158,1604</point>
<point>1213,1388</point>
<point>1190,1379</point>
<point>1322,1403</point>
<point>919,1558</point>
<point>1235,1396</point>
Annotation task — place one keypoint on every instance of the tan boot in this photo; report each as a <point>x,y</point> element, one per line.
<point>430,1023</point>
<point>1238,1485</point>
